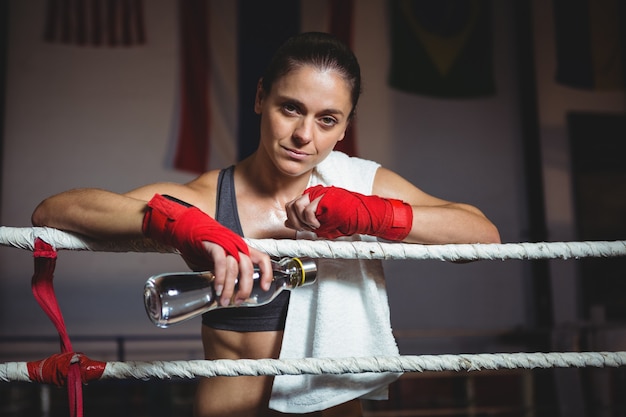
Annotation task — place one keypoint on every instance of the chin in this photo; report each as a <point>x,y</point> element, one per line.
<point>294,168</point>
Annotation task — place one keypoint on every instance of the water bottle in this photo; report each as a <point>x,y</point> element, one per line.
<point>171,298</point>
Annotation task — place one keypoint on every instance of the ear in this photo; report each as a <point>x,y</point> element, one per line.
<point>260,95</point>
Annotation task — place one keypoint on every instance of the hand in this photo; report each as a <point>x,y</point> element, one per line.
<point>301,213</point>
<point>332,212</point>
<point>233,279</point>
<point>184,227</point>
<point>206,245</point>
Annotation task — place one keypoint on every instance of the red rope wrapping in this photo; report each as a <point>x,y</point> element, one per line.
<point>67,367</point>
<point>55,369</point>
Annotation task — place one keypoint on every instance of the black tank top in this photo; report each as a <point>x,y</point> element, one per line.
<point>269,317</point>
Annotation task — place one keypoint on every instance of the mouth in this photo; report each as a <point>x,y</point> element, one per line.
<point>295,153</point>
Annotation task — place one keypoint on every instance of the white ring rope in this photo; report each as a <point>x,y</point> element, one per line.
<point>447,252</point>
<point>17,371</point>
<point>24,238</point>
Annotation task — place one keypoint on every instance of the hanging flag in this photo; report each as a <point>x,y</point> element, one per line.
<point>222,58</point>
<point>95,22</point>
<point>192,125</point>
<point>262,27</point>
<point>225,48</point>
<point>589,43</point>
<point>341,22</point>
<point>442,48</point>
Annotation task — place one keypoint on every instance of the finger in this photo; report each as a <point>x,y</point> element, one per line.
<point>309,216</point>
<point>297,217</point>
<point>231,275</point>
<point>218,256</point>
<point>292,221</point>
<point>245,279</point>
<point>262,260</point>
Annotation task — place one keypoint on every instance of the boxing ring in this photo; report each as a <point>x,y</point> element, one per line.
<point>72,369</point>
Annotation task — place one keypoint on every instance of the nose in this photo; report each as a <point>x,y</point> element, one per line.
<point>303,132</point>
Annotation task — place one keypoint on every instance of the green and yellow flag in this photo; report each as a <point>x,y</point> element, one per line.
<point>442,48</point>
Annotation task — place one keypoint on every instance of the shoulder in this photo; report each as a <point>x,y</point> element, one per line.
<point>203,190</point>
<point>199,192</point>
<point>204,182</point>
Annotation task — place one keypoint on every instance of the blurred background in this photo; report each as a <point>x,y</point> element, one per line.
<point>516,107</point>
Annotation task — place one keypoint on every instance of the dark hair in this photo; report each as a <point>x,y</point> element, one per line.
<point>322,51</point>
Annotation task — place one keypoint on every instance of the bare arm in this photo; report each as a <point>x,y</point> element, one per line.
<point>103,214</point>
<point>436,221</point>
<point>100,214</point>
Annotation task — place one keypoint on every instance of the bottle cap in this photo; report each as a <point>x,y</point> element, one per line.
<point>308,267</point>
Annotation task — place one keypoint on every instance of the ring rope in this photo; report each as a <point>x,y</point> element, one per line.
<point>447,252</point>
<point>16,371</point>
<point>24,237</point>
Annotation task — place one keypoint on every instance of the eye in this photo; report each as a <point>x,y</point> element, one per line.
<point>290,108</point>
<point>328,121</point>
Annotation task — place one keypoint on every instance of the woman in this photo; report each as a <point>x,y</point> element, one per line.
<point>293,186</point>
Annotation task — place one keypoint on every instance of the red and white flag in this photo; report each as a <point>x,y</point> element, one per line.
<point>224,47</point>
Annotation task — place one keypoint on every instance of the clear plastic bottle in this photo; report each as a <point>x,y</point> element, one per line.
<point>174,297</point>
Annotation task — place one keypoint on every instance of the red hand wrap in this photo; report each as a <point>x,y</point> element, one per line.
<point>344,213</point>
<point>54,370</point>
<point>186,227</point>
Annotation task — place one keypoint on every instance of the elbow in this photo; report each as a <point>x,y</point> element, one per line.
<point>38,217</point>
<point>43,215</point>
<point>492,235</point>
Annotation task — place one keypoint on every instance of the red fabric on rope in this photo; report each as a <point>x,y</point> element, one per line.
<point>43,290</point>
<point>67,367</point>
<point>55,369</point>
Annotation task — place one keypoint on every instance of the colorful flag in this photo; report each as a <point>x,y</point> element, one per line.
<point>225,47</point>
<point>590,43</point>
<point>442,48</point>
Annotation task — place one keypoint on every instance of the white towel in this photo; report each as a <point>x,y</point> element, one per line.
<point>345,314</point>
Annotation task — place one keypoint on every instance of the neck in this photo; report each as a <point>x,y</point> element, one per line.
<point>262,177</point>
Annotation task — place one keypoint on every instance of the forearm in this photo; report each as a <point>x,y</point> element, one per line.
<point>436,221</point>
<point>451,223</point>
<point>92,212</point>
